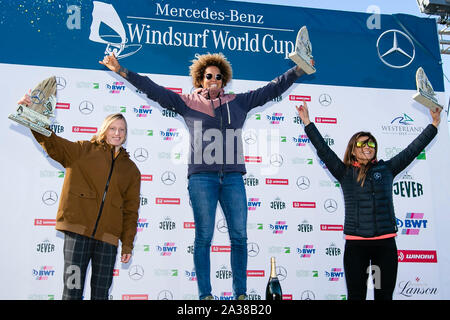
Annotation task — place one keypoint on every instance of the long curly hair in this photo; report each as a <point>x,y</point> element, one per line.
<point>199,65</point>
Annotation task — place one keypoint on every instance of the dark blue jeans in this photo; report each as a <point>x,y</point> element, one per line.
<point>205,190</point>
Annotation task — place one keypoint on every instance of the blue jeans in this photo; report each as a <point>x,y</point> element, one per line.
<point>205,190</point>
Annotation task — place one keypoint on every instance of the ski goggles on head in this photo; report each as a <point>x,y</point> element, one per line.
<point>209,76</point>
<point>362,144</point>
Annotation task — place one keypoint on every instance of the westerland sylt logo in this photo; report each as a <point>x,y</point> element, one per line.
<point>104,13</point>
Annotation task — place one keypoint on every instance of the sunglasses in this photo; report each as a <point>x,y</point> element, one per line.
<point>209,76</point>
<point>362,144</point>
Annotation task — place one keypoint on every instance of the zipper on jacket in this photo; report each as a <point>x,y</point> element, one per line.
<point>374,208</point>
<point>105,191</point>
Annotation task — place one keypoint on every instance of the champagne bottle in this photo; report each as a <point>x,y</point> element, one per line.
<point>273,289</point>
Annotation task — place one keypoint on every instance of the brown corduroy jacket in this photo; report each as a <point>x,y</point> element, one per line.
<point>89,166</point>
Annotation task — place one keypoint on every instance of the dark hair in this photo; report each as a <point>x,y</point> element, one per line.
<point>199,65</point>
<point>350,159</point>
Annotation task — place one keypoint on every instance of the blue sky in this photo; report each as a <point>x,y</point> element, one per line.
<point>385,7</point>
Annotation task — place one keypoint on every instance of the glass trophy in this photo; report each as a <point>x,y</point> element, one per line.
<point>302,54</point>
<point>37,115</point>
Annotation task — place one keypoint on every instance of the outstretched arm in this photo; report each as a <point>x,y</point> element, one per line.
<point>59,149</point>
<point>404,158</point>
<point>325,153</point>
<point>165,97</point>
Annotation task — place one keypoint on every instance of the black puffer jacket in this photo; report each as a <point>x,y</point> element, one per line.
<point>369,210</point>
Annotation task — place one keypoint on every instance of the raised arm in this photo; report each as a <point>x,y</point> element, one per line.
<point>273,89</point>
<point>325,153</point>
<point>165,97</point>
<point>59,149</point>
<point>405,157</point>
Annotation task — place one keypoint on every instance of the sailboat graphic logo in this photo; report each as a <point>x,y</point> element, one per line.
<point>104,13</point>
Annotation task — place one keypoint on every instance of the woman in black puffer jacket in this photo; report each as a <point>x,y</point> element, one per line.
<point>370,224</point>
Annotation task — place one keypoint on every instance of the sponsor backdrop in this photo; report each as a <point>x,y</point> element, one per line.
<point>365,80</point>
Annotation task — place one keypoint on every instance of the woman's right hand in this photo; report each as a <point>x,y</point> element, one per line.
<point>25,100</point>
<point>303,113</point>
<point>110,61</point>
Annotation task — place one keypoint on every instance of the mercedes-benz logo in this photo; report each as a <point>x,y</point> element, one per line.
<point>276,160</point>
<point>395,49</point>
<point>168,178</point>
<point>86,107</point>
<point>330,205</point>
<point>140,154</point>
<point>165,295</point>
<point>303,183</point>
<point>250,137</point>
<point>37,97</point>
<point>136,272</point>
<point>307,295</point>
<point>60,83</point>
<point>252,249</point>
<point>49,198</point>
<point>325,99</point>
<point>281,273</point>
<point>222,226</point>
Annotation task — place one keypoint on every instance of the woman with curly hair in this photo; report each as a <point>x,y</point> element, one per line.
<point>216,162</point>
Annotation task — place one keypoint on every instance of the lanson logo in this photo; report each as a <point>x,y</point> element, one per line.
<point>407,187</point>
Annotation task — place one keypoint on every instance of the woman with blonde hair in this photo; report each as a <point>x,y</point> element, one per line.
<point>215,120</point>
<point>370,226</point>
<point>98,205</point>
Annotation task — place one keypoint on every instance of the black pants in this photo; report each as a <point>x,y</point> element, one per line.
<point>382,256</point>
<point>78,252</point>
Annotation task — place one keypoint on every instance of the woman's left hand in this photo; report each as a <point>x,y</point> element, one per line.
<point>436,115</point>
<point>125,258</point>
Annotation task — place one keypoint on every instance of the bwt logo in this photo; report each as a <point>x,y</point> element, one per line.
<point>143,111</point>
<point>307,251</point>
<point>335,274</point>
<point>43,273</point>
<point>412,224</point>
<point>190,275</point>
<point>275,118</point>
<point>253,203</point>
<point>116,87</point>
<point>224,296</point>
<point>167,249</point>
<point>279,227</point>
<point>301,141</point>
<point>142,224</point>
<point>170,134</point>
